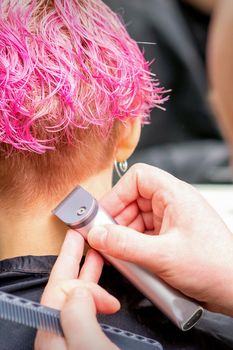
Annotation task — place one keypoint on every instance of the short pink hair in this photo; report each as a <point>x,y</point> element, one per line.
<point>67,65</point>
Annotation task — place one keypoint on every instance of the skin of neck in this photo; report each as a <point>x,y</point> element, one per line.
<point>38,231</point>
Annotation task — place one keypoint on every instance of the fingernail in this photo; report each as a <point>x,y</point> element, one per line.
<point>97,237</point>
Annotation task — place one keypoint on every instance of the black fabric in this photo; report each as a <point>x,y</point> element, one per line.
<point>27,276</point>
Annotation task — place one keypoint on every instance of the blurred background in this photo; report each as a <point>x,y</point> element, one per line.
<point>185,139</point>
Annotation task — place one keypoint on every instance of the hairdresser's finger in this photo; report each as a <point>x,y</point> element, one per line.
<point>92,267</point>
<point>48,341</point>
<point>127,244</point>
<point>105,302</point>
<point>138,224</point>
<point>67,264</point>
<point>79,313</point>
<point>128,215</point>
<point>135,218</point>
<point>65,268</point>
<point>148,220</point>
<point>141,180</point>
<point>144,205</point>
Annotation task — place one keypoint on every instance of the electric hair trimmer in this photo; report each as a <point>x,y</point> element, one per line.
<point>81,212</point>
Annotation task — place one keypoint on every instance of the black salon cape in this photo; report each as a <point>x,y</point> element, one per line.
<point>27,277</point>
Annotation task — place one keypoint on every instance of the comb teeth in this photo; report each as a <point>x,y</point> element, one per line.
<point>32,314</point>
<point>29,313</point>
<point>110,331</point>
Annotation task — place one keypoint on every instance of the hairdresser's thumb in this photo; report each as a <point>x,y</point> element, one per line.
<point>127,244</point>
<point>78,318</point>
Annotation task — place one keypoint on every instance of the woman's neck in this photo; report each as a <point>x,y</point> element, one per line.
<point>37,231</point>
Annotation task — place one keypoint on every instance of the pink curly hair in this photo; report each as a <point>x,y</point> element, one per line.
<point>67,65</point>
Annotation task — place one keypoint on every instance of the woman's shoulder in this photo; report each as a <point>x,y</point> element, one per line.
<point>24,276</point>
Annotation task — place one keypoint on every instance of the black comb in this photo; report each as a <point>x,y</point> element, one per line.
<point>35,315</point>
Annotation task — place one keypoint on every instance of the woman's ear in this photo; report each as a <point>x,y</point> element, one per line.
<point>128,138</point>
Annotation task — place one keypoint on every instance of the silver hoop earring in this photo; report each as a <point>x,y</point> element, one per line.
<point>121,167</point>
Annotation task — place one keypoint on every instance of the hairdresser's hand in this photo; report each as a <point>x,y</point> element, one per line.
<point>79,297</point>
<point>184,241</point>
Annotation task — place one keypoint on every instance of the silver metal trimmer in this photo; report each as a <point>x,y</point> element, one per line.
<point>81,212</point>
